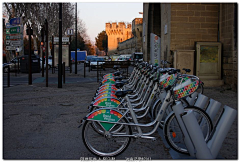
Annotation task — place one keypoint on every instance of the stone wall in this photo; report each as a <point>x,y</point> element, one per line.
<point>128,46</point>
<point>228,37</point>
<point>133,44</point>
<point>166,32</point>
<point>193,22</point>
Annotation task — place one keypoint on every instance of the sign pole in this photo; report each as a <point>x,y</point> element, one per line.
<point>18,62</point>
<point>46,32</point>
<point>29,56</point>
<point>76,40</point>
<point>52,54</point>
<point>42,35</point>
<point>70,62</point>
<point>60,48</point>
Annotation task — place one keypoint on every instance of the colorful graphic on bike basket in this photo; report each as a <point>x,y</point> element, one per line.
<point>106,115</point>
<point>186,90</point>
<point>168,81</point>
<point>107,102</point>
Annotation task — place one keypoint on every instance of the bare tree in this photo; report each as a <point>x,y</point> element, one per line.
<point>36,13</point>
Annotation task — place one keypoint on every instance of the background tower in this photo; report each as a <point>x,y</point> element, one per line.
<point>117,32</point>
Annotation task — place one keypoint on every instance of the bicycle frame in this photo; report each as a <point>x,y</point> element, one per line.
<point>135,122</point>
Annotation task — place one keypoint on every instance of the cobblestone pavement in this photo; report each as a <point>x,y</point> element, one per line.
<point>41,123</point>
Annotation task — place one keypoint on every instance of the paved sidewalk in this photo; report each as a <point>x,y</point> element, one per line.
<point>41,122</point>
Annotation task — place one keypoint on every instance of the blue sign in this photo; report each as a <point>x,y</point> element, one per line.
<point>8,25</point>
<point>16,21</point>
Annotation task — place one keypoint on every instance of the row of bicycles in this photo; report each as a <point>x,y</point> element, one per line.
<point>120,105</point>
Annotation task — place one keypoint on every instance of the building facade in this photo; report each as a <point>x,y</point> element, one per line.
<point>182,26</point>
<point>133,44</point>
<point>117,32</point>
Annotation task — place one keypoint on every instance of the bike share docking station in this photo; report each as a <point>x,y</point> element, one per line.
<point>197,147</point>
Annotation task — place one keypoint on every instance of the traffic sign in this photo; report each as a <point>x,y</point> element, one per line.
<point>43,48</point>
<point>19,36</point>
<point>69,31</point>
<point>8,25</point>
<point>10,48</point>
<point>64,39</point>
<point>7,31</point>
<point>16,43</point>
<point>16,21</point>
<point>8,42</point>
<point>15,30</point>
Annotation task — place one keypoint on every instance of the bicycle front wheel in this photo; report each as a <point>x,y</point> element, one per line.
<point>106,143</point>
<point>174,135</point>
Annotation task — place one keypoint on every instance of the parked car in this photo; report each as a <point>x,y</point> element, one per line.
<point>137,56</point>
<point>88,59</point>
<point>114,57</point>
<point>124,57</point>
<point>13,65</point>
<point>93,63</point>
<point>49,63</point>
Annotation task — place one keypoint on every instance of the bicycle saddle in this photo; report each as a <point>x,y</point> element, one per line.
<point>117,73</point>
<point>118,78</point>
<point>119,84</point>
<point>115,67</point>
<point>187,70</point>
<point>123,93</point>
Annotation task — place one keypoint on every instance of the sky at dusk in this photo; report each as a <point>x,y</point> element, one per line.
<point>96,14</point>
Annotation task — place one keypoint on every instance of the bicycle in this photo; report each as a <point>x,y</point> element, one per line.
<point>115,127</point>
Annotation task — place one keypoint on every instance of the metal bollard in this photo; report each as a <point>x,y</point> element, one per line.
<point>64,72</point>
<point>8,76</point>
<point>84,68</point>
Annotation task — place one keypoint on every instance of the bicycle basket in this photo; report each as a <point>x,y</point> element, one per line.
<point>166,80</point>
<point>186,88</point>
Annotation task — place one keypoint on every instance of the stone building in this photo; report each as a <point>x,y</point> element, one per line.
<point>186,29</point>
<point>117,32</point>
<point>133,44</point>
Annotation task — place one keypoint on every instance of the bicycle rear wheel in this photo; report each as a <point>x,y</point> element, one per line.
<point>104,144</point>
<point>168,110</point>
<point>174,135</point>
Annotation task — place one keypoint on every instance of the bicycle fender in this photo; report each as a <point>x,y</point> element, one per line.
<point>106,115</point>
<point>82,121</point>
<point>107,102</point>
<point>106,95</point>
<point>154,105</point>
